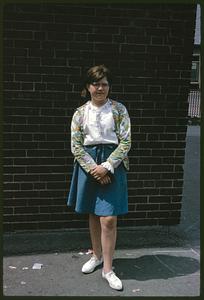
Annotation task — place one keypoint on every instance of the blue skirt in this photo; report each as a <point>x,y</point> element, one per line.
<point>89,196</point>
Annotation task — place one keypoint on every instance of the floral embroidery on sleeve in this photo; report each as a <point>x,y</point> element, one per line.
<point>123,131</point>
<point>83,158</point>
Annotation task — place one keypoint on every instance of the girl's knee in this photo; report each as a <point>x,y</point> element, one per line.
<point>108,223</point>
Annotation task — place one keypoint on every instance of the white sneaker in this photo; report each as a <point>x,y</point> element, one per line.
<point>91,264</point>
<point>114,282</point>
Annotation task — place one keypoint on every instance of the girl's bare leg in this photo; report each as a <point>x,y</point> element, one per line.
<point>108,240</point>
<point>95,232</point>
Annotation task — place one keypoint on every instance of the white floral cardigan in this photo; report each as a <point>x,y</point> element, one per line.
<point>123,132</point>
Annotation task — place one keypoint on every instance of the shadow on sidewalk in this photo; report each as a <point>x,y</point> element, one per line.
<point>149,267</point>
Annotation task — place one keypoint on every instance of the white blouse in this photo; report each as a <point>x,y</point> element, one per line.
<point>99,127</point>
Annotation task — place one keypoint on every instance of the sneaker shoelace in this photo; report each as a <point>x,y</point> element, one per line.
<point>112,275</point>
<point>94,259</point>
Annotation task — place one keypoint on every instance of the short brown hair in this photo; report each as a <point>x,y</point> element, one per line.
<point>95,74</point>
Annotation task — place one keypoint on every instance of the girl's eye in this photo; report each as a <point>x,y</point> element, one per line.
<point>97,85</point>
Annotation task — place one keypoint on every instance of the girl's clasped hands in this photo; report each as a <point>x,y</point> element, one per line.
<point>100,174</point>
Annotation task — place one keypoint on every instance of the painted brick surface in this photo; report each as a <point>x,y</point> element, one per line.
<point>47,49</point>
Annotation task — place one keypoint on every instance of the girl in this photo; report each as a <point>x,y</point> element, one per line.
<point>100,141</point>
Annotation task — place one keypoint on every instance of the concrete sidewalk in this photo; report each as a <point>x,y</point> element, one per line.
<point>151,261</point>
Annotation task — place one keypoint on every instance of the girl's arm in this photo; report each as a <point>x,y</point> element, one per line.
<point>83,158</point>
<point>124,136</point>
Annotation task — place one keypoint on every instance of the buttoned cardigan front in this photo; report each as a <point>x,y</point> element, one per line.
<point>122,130</point>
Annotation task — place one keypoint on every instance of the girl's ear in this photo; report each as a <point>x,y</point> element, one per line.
<point>87,86</point>
<point>84,93</point>
<point>110,89</point>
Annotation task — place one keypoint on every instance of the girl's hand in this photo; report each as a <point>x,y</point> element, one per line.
<point>98,172</point>
<point>105,180</point>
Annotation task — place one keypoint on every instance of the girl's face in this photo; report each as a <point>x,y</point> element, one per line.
<point>99,91</point>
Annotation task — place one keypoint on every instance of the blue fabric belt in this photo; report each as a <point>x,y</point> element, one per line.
<point>100,151</point>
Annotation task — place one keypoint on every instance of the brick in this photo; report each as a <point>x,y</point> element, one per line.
<point>104,29</point>
<point>157,32</point>
<point>163,121</point>
<point>52,128</point>
<point>128,48</point>
<point>157,40</point>
<point>39,35</point>
<point>26,61</point>
<point>15,52</point>
<point>135,183</point>
<point>149,160</point>
<point>173,175</point>
<point>64,36</point>
<point>8,210</point>
<point>21,226</point>
<point>8,59</point>
<point>159,199</point>
<point>39,201</point>
<point>167,191</point>
<point>27,86</point>
<point>50,96</point>
<point>11,186</point>
<point>51,145</point>
<point>134,88</point>
<point>158,49</point>
<point>173,206</point>
<point>35,52</point>
<point>54,78</point>
<point>146,191</point>
<point>26,128</point>
<point>39,86</point>
<point>164,183</point>
<point>16,218</point>
<point>26,210</point>
<point>26,44</point>
<point>168,136</point>
<point>174,144</point>
<point>153,113</point>
<point>80,28</point>
<point>70,9</point>
<point>106,47</point>
<point>28,77</point>
<point>25,177</point>
<point>11,137</point>
<point>39,217</point>
<point>59,87</point>
<point>147,207</point>
<point>8,77</point>
<point>11,86</point>
<point>80,37</point>
<point>25,145</point>
<point>22,26</point>
<point>149,176</point>
<point>99,37</point>
<point>169,221</point>
<point>54,62</point>
<point>160,214</point>
<point>14,34</point>
<point>54,27</point>
<point>12,153</point>
<point>29,17</point>
<point>38,69</point>
<point>162,168</point>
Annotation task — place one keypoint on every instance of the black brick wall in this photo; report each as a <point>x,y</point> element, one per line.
<point>47,49</point>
